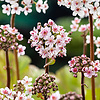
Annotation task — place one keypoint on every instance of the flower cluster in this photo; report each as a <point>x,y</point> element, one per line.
<point>44,84</point>
<point>75,26</point>
<point>82,7</point>
<point>22,91</point>
<point>13,7</point>
<point>97,44</point>
<point>9,37</point>
<point>71,96</point>
<point>50,41</point>
<point>85,65</point>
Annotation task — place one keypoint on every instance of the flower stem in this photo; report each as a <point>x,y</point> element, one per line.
<point>92,54</point>
<point>82,86</point>
<point>15,51</point>
<point>8,69</point>
<point>82,74</point>
<point>47,67</point>
<point>17,66</point>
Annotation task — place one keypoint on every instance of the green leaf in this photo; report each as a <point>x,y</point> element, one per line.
<point>51,61</point>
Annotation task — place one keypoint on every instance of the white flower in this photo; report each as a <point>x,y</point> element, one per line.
<point>89,72</point>
<point>27,9</point>
<point>26,81</point>
<point>79,11</point>
<point>6,9</point>
<point>39,5</point>
<point>27,2</point>
<point>11,1</point>
<point>67,3</point>
<point>16,9</point>
<point>82,28</point>
<point>21,50</point>
<point>20,37</point>
<point>5,27</point>
<point>45,6</point>
<point>20,96</point>
<point>97,24</point>
<point>86,13</point>
<point>13,30</point>
<point>74,27</point>
<point>28,90</point>
<point>97,42</point>
<point>76,20</point>
<point>97,52</point>
<point>55,96</point>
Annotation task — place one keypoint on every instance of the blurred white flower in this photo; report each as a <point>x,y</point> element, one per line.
<point>6,9</point>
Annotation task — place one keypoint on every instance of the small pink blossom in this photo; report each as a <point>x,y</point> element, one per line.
<point>13,30</point>
<point>72,62</point>
<point>3,39</point>
<point>74,27</point>
<point>82,28</point>
<point>20,37</point>
<point>50,22</point>
<point>20,96</point>
<point>76,20</point>
<point>89,72</point>
<point>55,96</point>
<point>50,40</point>
<point>5,27</point>
<point>84,62</point>
<point>26,81</point>
<point>21,50</point>
<point>74,70</point>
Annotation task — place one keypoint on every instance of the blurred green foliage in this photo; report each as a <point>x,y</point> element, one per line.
<point>23,63</point>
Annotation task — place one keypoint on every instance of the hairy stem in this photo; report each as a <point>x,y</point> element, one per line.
<point>92,54</point>
<point>7,68</point>
<point>47,67</point>
<point>15,51</point>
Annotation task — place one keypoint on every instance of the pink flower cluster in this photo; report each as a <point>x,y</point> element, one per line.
<point>75,26</point>
<point>84,64</point>
<point>13,7</point>
<point>50,41</point>
<point>9,37</point>
<point>7,94</point>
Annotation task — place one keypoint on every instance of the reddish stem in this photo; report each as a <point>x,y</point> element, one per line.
<point>47,67</point>
<point>82,74</point>
<point>15,51</point>
<point>8,69</point>
<point>92,54</point>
